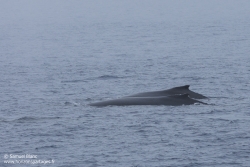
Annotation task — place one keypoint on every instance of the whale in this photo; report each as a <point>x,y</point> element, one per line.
<point>173,91</point>
<point>172,100</point>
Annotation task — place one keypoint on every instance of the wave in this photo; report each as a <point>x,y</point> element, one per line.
<point>47,147</point>
<point>74,81</point>
<point>31,119</point>
<point>104,77</point>
<point>67,103</point>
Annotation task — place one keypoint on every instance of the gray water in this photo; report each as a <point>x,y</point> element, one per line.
<point>59,56</point>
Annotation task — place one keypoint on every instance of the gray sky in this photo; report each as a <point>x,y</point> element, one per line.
<point>12,11</point>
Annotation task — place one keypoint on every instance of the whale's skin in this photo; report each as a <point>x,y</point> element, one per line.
<point>173,91</point>
<point>174,100</point>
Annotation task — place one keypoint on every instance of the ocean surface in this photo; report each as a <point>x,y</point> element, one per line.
<point>58,56</point>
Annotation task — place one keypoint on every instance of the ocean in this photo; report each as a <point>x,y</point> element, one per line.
<point>58,56</point>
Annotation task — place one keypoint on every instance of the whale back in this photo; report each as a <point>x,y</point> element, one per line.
<point>173,91</point>
<point>173,100</point>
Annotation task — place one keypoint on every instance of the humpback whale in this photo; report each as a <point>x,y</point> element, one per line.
<point>172,91</point>
<point>172,100</point>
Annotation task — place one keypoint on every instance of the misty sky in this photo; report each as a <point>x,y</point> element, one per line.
<point>13,11</point>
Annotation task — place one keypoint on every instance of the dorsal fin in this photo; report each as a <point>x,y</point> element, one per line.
<point>182,87</point>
